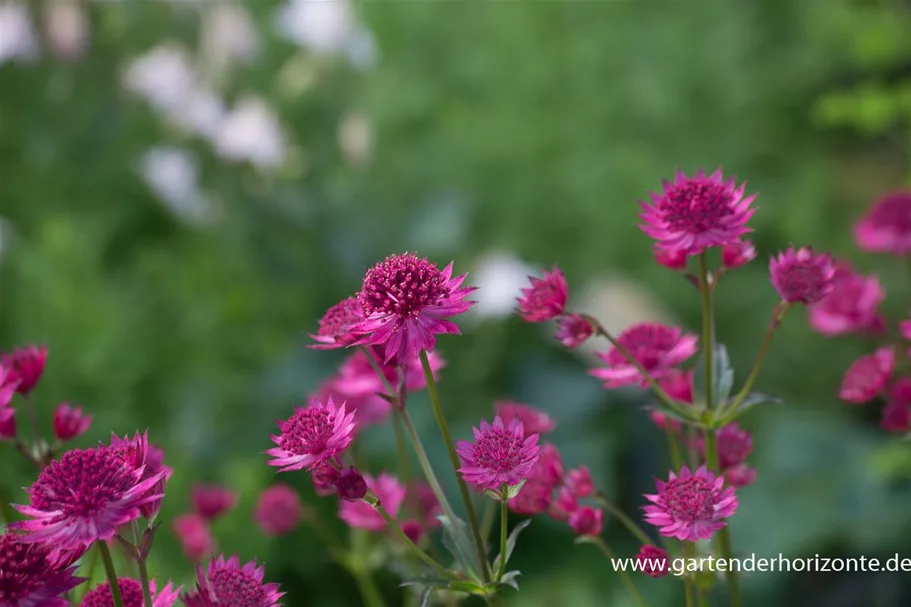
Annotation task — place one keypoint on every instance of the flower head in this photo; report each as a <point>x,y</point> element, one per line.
<point>672,259</point>
<point>658,348</point>
<point>802,276</point>
<point>586,520</point>
<point>653,561</point>
<point>579,481</point>
<point>226,583</point>
<point>678,385</point>
<point>131,594</point>
<point>691,506</point>
<point>141,454</point>
<point>896,417</point>
<point>69,422</point>
<point>195,535</point>
<point>335,325</point>
<point>312,436</point>
<point>867,377</point>
<point>545,298</point>
<point>324,478</point>
<point>737,254</point>
<point>851,306</point>
<point>405,301</point>
<point>212,501</point>
<point>694,213</point>
<point>351,484</point>
<point>573,330</point>
<point>545,476</point>
<point>361,515</point>
<point>734,445</point>
<point>500,455</point>
<point>886,228</point>
<point>740,475</point>
<point>8,385</point>
<point>32,574</point>
<point>25,366</point>
<point>8,430</point>
<point>533,420</point>
<point>278,510</point>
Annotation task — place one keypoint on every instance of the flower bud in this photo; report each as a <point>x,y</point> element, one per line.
<point>351,485</point>
<point>69,422</point>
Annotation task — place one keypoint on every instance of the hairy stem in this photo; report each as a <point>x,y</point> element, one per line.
<point>110,572</point>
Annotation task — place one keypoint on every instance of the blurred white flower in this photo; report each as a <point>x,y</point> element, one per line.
<point>202,112</point>
<point>323,26</point>
<point>173,176</point>
<point>251,132</point>
<point>68,29</point>
<point>355,138</point>
<point>228,35</point>
<point>361,49</point>
<point>499,277</point>
<point>17,33</point>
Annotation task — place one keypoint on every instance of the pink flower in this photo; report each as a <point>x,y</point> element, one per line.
<point>887,226</point>
<point>405,301</point>
<point>84,497</point>
<point>25,366</point>
<point>324,478</point>
<point>195,536</point>
<point>737,254</point>
<point>312,436</point>
<point>852,305</point>
<point>545,476</point>
<point>678,385</point>
<point>586,521</point>
<point>657,347</point>
<point>699,212</point>
<point>549,467</point>
<point>351,484</point>
<point>545,298</point>
<point>335,325</point>
<point>414,371</point>
<point>141,454</point>
<point>501,455</point>
<point>278,510</point>
<point>896,417</point>
<point>227,582</point>
<point>69,422</point>
<point>691,506</point>
<point>573,330</point>
<point>653,561</point>
<point>580,483</point>
<point>867,377</point>
<point>131,594</point>
<point>673,259</point>
<point>733,444</point>
<point>8,385</point>
<point>802,276</point>
<point>740,475</point>
<point>413,530</point>
<point>212,501</point>
<point>8,429</point>
<point>428,507</point>
<point>33,574</point>
<point>565,504</point>
<point>361,515</point>
<point>533,420</point>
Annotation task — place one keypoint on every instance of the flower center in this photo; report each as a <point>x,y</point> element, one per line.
<point>696,206</point>
<point>22,567</point>
<point>339,317</point>
<point>689,499</point>
<point>402,285</point>
<point>234,588</point>
<point>499,450</point>
<point>83,482</point>
<point>308,431</point>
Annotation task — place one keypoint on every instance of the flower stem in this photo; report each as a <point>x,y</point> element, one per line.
<point>407,541</point>
<point>110,572</point>
<point>687,580</point>
<point>777,316</point>
<point>487,518</point>
<point>86,586</point>
<point>626,521</point>
<point>454,459</point>
<point>673,447</point>
<point>368,589</point>
<point>504,510</point>
<point>724,535</point>
<point>624,575</point>
<point>424,462</point>
<point>143,567</point>
<point>702,599</point>
<point>708,334</point>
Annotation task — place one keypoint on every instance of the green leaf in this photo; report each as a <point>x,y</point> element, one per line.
<point>751,400</point>
<point>695,420</point>
<point>511,542</point>
<point>458,541</point>
<point>425,596</point>
<point>509,579</point>
<point>722,375</point>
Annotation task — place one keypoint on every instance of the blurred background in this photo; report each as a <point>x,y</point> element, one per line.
<point>186,186</point>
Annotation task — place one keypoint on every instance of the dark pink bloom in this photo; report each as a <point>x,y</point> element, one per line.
<point>852,306</point>
<point>586,521</point>
<point>672,259</point>
<point>33,574</point>
<point>549,467</point>
<point>8,385</point>
<point>573,330</point>
<point>534,498</point>
<point>278,510</point>
<point>734,445</point>
<point>361,515</point>
<point>886,228</point>
<point>736,254</point>
<point>545,298</point>
<point>896,417</point>
<point>195,536</point>
<point>867,377</point>
<point>7,423</point>
<point>533,420</point>
<point>658,348</point>
<point>324,478</point>
<point>501,454</point>
<point>405,301</point>
<point>131,594</point>
<point>141,454</point>
<point>335,325</point>
<point>84,497</point>
<point>653,561</point>
<point>691,506</point>
<point>212,501</point>
<point>227,583</point>
<point>802,276</point>
<point>699,212</point>
<point>413,530</point>
<point>312,436</point>
<point>351,485</point>
<point>565,504</point>
<point>740,475</point>
<point>580,483</point>
<point>69,422</point>
<point>428,507</point>
<point>25,366</point>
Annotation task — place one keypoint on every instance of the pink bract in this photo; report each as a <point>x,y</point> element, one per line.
<point>579,481</point>
<point>658,348</point>
<point>227,582</point>
<point>361,515</point>
<point>802,276</point>
<point>573,330</point>
<point>740,476</point>
<point>886,228</point>
<point>31,575</point>
<point>670,259</point>
<point>653,561</point>
<point>130,594</point>
<point>691,506</point>
<point>312,436</point>
<point>734,445</point>
<point>140,453</point>
<point>867,377</point>
<point>545,298</point>
<point>533,420</point>
<point>335,325</point>
<point>852,306</point>
<point>501,454</point>
<point>586,520</point>
<point>737,254</point>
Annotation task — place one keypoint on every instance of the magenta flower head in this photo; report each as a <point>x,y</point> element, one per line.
<point>324,478</point>
<point>212,501</point>
<point>533,420</point>
<point>84,497</point>
<point>672,259</point>
<point>886,228</point>
<point>69,422</point>
<point>361,515</point>
<point>25,366</point>
<point>335,325</point>
<point>351,485</point>
<point>802,276</point>
<point>312,436</point>
<point>699,212</point>
<point>586,520</point>
<point>852,306</point>
<point>734,445</point>
<point>405,301</point>
<point>545,298</point>
<point>866,378</point>
<point>659,348</point>
<point>139,453</point>
<point>740,475</point>
<point>227,582</point>
<point>579,481</point>
<point>278,510</point>
<point>8,385</point>
<point>8,430</point>
<point>896,417</point>
<point>691,506</point>
<point>737,254</point>
<point>33,575</point>
<point>653,561</point>
<point>195,536</point>
<point>501,455</point>
<point>573,330</point>
<point>131,594</point>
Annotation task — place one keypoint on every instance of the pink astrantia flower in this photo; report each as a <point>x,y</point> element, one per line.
<point>211,501</point>
<point>324,478</point>
<point>8,429</point>
<point>657,347</point>
<point>573,330</point>
<point>8,385</point>
<point>852,305</point>
<point>886,228</point>
<point>405,301</point>
<point>278,510</point>
<point>70,422</point>
<point>195,536</point>
<point>802,276</point>
<point>867,377</point>
<point>734,445</point>
<point>226,583</point>
<point>565,504</point>
<point>428,506</point>
<point>579,481</point>
<point>672,259</point>
<point>691,506</point>
<point>142,455</point>
<point>653,561</point>
<point>351,485</point>
<point>896,417</point>
<point>545,476</point>
<point>33,575</point>
<point>361,515</point>
<point>586,520</point>
<point>500,455</point>
<point>699,212</point>
<point>25,366</point>
<point>84,497</point>
<point>335,325</point>
<point>545,298</point>
<point>740,475</point>
<point>130,594</point>
<point>533,420</point>
<point>312,436</point>
<point>737,254</point>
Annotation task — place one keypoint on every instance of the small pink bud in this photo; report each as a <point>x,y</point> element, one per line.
<point>69,422</point>
<point>654,561</point>
<point>25,365</point>
<point>351,485</point>
<point>737,254</point>
<point>580,483</point>
<point>413,530</point>
<point>573,330</point>
<point>195,537</point>
<point>278,510</point>
<point>672,260</point>
<point>545,298</point>
<point>324,480</point>
<point>587,521</point>
<point>212,501</point>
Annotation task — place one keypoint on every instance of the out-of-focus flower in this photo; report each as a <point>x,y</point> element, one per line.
<point>740,475</point>
<point>586,520</point>
<point>653,561</point>
<point>579,481</point>
<point>851,306</point>
<point>164,76</point>
<point>194,535</point>
<point>428,507</point>
<point>322,27</point>
<point>573,330</point>
<point>17,33</point>
<point>212,501</point>
<point>312,436</point>
<point>252,133</point>
<point>24,367</point>
<point>361,515</point>
<point>324,478</point>
<point>738,253</point>
<point>227,582</point>
<point>896,417</point>
<point>545,476</point>
<point>501,454</point>
<point>69,422</point>
<point>658,348</point>
<point>173,176</point>
<point>8,430</point>
<point>886,228</point>
<point>546,298</point>
<point>68,29</point>
<point>867,377</point>
<point>131,594</point>
<point>802,276</point>
<point>351,485</point>
<point>31,574</point>
<point>672,259</point>
<point>691,506</point>
<point>734,445</point>
<point>278,510</point>
<point>355,138</point>
<point>533,420</point>
<point>228,35</point>
<point>678,385</point>
<point>413,530</point>
<point>499,276</point>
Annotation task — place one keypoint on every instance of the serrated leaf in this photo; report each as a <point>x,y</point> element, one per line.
<point>511,542</point>
<point>458,541</point>
<point>722,375</point>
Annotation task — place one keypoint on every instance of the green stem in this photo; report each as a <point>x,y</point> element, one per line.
<point>110,572</point>
<point>6,510</point>
<point>624,575</point>
<point>90,574</point>
<point>407,541</point>
<point>708,337</point>
<point>702,599</point>
<point>626,521</point>
<point>724,535</point>
<point>673,448</point>
<point>143,567</point>
<point>487,518</point>
<point>504,510</point>
<point>454,459</point>
<point>777,316</point>
<point>368,589</point>
<point>687,580</point>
